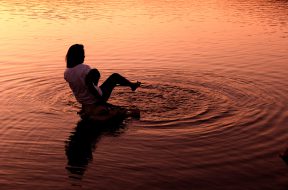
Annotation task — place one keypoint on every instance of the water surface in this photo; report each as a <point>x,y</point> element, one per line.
<point>213,103</point>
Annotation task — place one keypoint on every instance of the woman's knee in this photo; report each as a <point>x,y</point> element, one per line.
<point>115,75</point>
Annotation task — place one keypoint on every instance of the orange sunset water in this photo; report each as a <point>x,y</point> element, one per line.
<point>213,100</point>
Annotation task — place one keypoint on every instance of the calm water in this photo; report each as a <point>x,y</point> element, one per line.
<point>213,102</point>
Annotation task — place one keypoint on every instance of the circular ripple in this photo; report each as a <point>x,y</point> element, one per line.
<point>217,104</point>
<point>208,104</point>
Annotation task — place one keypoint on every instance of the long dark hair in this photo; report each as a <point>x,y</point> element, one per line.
<point>75,55</point>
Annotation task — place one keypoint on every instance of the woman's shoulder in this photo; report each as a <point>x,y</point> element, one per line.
<point>77,69</point>
<point>81,67</point>
<point>85,66</point>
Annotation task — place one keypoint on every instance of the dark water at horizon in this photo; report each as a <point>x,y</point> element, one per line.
<point>214,112</point>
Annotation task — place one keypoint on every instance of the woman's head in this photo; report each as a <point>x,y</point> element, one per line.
<point>75,55</point>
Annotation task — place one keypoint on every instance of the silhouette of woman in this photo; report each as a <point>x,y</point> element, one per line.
<point>83,82</point>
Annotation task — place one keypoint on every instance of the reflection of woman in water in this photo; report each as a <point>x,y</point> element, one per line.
<point>83,82</point>
<point>82,143</point>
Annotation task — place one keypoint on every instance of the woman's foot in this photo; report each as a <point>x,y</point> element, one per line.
<point>135,85</point>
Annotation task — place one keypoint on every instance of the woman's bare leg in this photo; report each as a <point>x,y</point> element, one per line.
<point>116,80</point>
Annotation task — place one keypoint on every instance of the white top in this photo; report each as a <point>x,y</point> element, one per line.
<point>76,78</point>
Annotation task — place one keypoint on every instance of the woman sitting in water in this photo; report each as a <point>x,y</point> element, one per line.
<point>83,82</point>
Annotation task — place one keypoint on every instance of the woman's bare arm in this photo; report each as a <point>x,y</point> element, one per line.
<point>91,81</point>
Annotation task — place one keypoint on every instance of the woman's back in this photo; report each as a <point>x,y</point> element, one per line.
<point>76,76</point>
